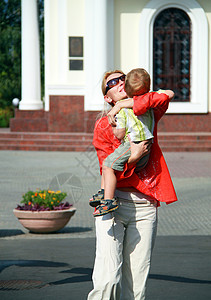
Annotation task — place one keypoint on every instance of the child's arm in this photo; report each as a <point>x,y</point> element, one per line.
<point>142,104</point>
<point>119,130</point>
<point>119,105</point>
<point>159,101</point>
<point>169,93</point>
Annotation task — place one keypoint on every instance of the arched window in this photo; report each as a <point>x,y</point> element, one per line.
<point>197,46</point>
<point>171,53</point>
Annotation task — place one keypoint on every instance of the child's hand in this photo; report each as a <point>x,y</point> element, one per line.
<point>112,113</point>
<point>169,93</point>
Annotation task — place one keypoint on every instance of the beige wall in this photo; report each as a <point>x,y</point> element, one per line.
<point>58,41</point>
<point>126,22</point>
<point>76,27</point>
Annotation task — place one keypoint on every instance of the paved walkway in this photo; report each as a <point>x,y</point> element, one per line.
<point>59,265</point>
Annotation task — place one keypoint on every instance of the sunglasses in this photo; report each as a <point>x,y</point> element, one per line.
<point>113,82</point>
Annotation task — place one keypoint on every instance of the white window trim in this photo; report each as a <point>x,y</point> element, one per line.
<point>199,51</point>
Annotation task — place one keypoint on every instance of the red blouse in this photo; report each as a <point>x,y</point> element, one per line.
<point>154,180</point>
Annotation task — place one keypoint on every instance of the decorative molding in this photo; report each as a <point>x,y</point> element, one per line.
<point>66,90</point>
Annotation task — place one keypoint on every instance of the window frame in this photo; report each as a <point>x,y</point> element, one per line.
<point>171,58</point>
<point>199,51</point>
<point>78,55</point>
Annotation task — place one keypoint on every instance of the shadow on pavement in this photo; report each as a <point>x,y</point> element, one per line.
<point>17,232</point>
<point>85,274</point>
<point>75,229</point>
<point>30,263</point>
<point>178,279</point>
<point>10,232</point>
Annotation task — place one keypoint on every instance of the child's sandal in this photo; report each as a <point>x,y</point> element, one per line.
<point>107,206</point>
<point>96,198</point>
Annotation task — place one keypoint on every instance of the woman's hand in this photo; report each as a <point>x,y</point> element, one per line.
<point>139,150</point>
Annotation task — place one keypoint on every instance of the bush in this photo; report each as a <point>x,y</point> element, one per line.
<point>5,115</point>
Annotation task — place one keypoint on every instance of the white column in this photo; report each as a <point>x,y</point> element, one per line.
<point>96,50</point>
<point>31,95</point>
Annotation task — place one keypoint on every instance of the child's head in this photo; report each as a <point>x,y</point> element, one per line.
<point>137,82</point>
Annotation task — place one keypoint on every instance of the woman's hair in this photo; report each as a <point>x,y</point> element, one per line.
<point>106,75</point>
<point>137,82</point>
<point>107,106</point>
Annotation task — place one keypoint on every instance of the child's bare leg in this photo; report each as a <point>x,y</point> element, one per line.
<point>102,182</point>
<point>110,181</point>
<point>109,204</point>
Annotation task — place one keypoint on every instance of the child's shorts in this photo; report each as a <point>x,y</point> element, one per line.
<point>120,156</point>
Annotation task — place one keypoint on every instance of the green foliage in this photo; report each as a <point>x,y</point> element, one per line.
<point>5,115</point>
<point>43,198</point>
<point>42,58</point>
<point>10,50</point>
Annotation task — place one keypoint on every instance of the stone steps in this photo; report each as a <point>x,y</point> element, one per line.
<point>46,141</point>
<point>185,141</point>
<point>56,141</point>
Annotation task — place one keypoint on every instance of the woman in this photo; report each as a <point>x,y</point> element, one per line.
<point>125,238</point>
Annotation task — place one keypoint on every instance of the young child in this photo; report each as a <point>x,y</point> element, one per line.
<point>127,124</point>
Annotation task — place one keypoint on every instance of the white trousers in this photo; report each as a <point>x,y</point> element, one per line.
<point>124,243</point>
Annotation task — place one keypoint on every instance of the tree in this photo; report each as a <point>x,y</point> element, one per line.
<point>10,49</point>
<point>42,50</point>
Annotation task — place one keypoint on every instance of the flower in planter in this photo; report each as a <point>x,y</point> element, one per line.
<point>42,200</point>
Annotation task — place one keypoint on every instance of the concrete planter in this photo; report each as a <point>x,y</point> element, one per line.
<point>44,221</point>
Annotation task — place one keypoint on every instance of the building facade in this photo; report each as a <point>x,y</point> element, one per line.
<point>84,38</point>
